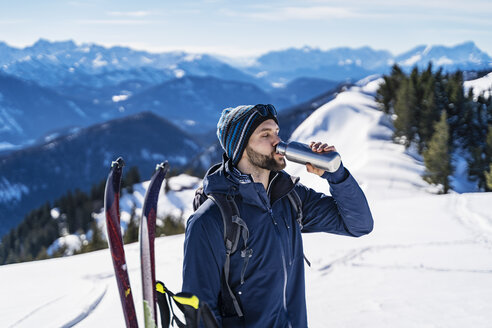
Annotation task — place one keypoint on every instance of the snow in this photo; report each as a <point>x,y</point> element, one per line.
<point>428,262</point>
<point>118,98</point>
<point>76,109</point>
<point>481,85</point>
<point>442,61</point>
<point>11,192</point>
<point>7,146</point>
<point>179,73</point>
<point>183,181</point>
<point>412,60</point>
<point>55,213</point>
<point>72,243</point>
<point>99,61</point>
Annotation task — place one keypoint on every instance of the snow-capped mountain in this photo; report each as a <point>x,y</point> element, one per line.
<point>340,64</point>
<point>336,64</point>
<point>64,63</point>
<point>465,56</point>
<point>33,176</point>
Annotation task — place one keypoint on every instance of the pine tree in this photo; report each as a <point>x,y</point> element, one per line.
<point>429,108</point>
<point>455,106</point>
<point>488,159</point>
<point>170,226</point>
<point>437,157</point>
<point>132,230</point>
<point>386,94</point>
<point>97,241</point>
<point>488,178</point>
<point>477,165</point>
<point>405,109</point>
<point>132,177</point>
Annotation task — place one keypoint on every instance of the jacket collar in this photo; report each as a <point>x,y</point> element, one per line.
<point>227,179</point>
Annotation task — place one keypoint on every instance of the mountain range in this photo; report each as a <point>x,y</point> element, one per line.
<point>70,85</point>
<point>71,108</point>
<point>62,64</point>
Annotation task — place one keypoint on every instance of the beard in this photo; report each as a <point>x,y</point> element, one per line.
<point>267,162</point>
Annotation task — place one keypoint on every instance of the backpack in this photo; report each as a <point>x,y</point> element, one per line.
<point>234,228</point>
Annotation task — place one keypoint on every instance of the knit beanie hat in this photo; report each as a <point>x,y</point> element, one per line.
<point>236,125</point>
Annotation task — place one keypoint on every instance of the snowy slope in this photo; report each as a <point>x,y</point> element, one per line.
<point>480,86</point>
<point>361,134</point>
<point>428,262</point>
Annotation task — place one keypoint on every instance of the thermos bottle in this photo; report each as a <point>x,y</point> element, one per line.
<point>302,154</point>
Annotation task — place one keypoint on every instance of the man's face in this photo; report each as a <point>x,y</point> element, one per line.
<point>260,150</point>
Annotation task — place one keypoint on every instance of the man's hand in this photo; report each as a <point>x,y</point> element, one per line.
<point>319,147</point>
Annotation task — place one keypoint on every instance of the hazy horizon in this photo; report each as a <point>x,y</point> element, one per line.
<point>237,29</point>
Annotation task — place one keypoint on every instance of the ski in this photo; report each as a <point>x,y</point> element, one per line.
<point>146,237</point>
<point>115,241</point>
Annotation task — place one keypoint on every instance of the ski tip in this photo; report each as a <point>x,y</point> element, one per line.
<point>119,163</point>
<point>162,166</point>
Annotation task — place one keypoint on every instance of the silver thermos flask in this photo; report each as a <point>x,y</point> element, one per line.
<point>302,154</point>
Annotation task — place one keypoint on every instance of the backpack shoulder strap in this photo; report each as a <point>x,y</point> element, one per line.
<point>199,199</point>
<point>233,226</point>
<point>296,202</point>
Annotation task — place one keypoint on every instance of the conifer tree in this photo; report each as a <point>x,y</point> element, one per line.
<point>405,109</point>
<point>97,242</point>
<point>477,165</point>
<point>132,230</point>
<point>488,159</point>
<point>429,108</point>
<point>386,94</point>
<point>437,157</point>
<point>132,177</point>
<point>456,98</point>
<point>488,178</point>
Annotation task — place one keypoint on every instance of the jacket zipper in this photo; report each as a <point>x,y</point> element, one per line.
<point>284,264</point>
<point>283,219</point>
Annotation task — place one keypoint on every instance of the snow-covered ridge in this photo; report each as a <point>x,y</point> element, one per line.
<point>480,86</point>
<point>362,135</point>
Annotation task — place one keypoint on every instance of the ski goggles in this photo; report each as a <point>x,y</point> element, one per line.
<point>265,110</point>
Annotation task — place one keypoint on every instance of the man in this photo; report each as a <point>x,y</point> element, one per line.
<point>270,288</point>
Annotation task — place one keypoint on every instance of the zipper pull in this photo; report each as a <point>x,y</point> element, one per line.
<point>271,215</point>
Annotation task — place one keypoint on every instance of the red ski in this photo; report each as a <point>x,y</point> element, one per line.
<point>115,240</point>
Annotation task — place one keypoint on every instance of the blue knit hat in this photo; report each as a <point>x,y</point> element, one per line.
<point>236,125</point>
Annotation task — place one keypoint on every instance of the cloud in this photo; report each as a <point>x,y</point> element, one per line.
<point>129,13</point>
<point>112,22</point>
<point>297,13</point>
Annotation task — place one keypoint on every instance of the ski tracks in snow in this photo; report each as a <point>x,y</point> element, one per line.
<point>89,307</point>
<point>477,224</point>
<point>33,312</point>
<point>61,309</point>
<point>357,258</point>
<point>415,256</point>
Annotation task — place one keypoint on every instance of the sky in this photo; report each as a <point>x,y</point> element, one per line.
<point>244,28</point>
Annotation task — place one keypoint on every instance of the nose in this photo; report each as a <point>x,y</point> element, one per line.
<point>276,140</point>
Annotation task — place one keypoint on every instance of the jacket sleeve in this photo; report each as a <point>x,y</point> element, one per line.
<point>204,256</point>
<point>346,212</point>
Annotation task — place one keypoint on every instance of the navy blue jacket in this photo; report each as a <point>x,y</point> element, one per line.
<point>273,293</point>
